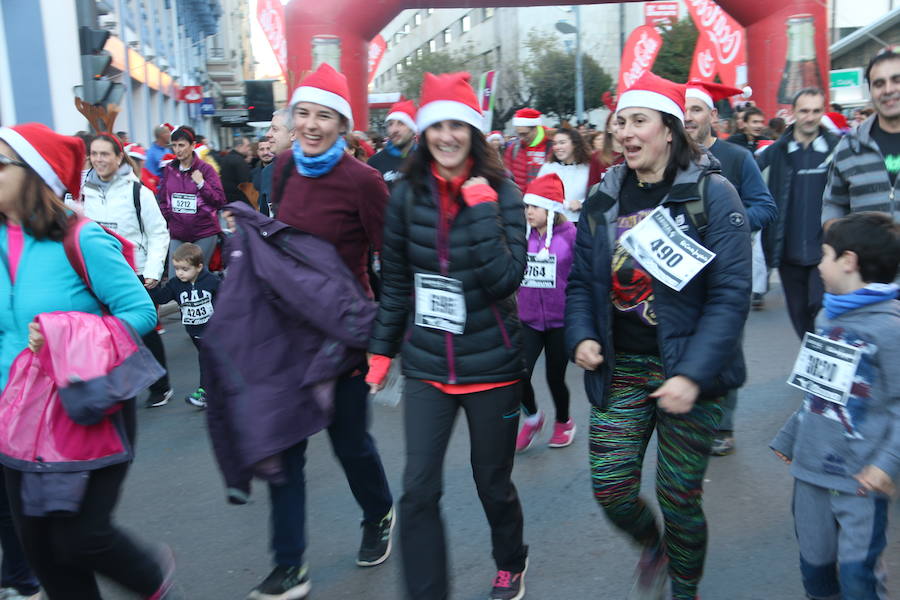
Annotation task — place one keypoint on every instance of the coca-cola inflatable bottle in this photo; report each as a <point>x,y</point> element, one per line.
<point>801,70</point>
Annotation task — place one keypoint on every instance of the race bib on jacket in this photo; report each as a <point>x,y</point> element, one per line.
<point>108,225</point>
<point>825,368</point>
<point>540,272</point>
<point>197,312</point>
<point>440,303</point>
<point>184,204</point>
<point>664,251</point>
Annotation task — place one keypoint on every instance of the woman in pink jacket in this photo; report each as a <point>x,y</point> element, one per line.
<point>542,304</point>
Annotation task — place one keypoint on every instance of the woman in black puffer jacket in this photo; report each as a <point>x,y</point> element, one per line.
<point>452,259</point>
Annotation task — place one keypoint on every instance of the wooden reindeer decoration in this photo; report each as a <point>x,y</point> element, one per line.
<point>101,118</point>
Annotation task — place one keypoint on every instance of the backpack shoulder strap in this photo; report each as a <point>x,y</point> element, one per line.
<point>72,247</point>
<point>136,196</point>
<point>696,209</point>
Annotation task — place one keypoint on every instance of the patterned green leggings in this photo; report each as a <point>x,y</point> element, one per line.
<point>618,440</point>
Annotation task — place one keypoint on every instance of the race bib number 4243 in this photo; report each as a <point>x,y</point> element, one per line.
<point>665,251</point>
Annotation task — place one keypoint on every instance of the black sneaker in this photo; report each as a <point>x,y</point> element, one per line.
<point>197,398</point>
<point>159,398</point>
<point>283,583</point>
<point>757,302</point>
<point>509,585</point>
<point>376,541</point>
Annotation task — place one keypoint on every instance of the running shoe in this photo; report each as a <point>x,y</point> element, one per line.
<point>563,434</point>
<point>509,585</point>
<point>197,398</point>
<point>167,565</point>
<point>722,445</point>
<point>283,583</point>
<point>651,575</point>
<point>14,594</point>
<point>376,541</point>
<point>757,302</point>
<point>529,432</point>
<point>159,398</point>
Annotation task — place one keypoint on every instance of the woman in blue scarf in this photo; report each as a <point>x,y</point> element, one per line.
<point>322,190</point>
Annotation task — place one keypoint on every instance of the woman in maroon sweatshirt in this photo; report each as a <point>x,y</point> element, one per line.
<point>322,190</point>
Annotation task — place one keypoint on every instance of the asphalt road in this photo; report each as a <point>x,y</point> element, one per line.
<point>174,494</point>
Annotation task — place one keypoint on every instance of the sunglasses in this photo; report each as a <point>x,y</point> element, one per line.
<point>5,160</point>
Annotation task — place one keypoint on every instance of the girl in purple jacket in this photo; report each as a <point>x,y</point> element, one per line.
<point>542,303</point>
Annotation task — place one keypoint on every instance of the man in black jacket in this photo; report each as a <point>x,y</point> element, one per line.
<point>401,130</point>
<point>798,168</point>
<point>234,170</point>
<point>754,125</point>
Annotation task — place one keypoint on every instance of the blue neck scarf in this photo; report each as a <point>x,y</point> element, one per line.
<point>393,150</point>
<point>322,164</point>
<point>838,304</point>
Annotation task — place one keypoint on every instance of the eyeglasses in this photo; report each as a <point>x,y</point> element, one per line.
<point>5,160</point>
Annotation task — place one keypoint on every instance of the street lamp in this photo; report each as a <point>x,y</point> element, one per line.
<point>567,28</point>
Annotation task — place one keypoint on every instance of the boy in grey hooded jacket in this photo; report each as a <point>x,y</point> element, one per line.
<point>844,452</point>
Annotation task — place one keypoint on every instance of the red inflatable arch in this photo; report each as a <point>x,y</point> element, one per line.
<point>324,27</point>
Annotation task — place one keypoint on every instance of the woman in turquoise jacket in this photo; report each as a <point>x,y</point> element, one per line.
<point>37,167</point>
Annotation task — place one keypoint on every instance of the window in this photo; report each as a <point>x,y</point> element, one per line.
<point>417,19</point>
<point>432,45</point>
<point>448,37</point>
<point>406,28</point>
<point>399,68</point>
<point>408,61</point>
<point>429,12</point>
<point>397,37</point>
<point>487,13</point>
<point>466,23</point>
<point>420,52</point>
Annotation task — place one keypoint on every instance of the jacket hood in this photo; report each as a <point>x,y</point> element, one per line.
<point>124,172</point>
<point>862,137</point>
<point>887,307</point>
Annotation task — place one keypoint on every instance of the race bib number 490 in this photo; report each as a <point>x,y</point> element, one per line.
<point>825,368</point>
<point>440,303</point>
<point>540,272</point>
<point>665,251</point>
<point>185,204</point>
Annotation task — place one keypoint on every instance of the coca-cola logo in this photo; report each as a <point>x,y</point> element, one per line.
<point>725,39</point>
<point>706,64</point>
<point>644,52</point>
<point>272,25</point>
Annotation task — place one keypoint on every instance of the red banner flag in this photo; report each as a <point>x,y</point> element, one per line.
<point>270,14</point>
<point>660,13</point>
<point>377,48</point>
<point>721,48</point>
<point>192,94</point>
<point>639,55</point>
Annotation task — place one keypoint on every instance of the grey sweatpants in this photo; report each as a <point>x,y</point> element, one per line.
<point>841,538</point>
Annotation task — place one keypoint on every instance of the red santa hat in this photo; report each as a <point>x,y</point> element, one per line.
<point>327,87</point>
<point>547,192</point>
<point>166,159</point>
<point>405,112</point>
<point>710,93</point>
<point>448,97</point>
<point>136,151</point>
<point>527,117</point>
<point>56,158</point>
<point>652,91</point>
<point>495,135</point>
<point>168,126</point>
<point>835,122</point>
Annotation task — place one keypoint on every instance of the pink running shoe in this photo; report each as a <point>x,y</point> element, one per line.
<point>563,434</point>
<point>528,433</point>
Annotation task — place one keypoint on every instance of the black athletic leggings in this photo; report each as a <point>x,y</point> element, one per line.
<point>551,341</point>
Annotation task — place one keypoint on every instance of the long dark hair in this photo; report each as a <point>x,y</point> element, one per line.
<point>44,216</point>
<point>684,149</point>
<point>582,154</point>
<point>486,163</point>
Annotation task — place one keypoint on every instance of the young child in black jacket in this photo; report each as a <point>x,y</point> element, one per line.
<point>194,289</point>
